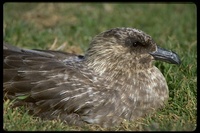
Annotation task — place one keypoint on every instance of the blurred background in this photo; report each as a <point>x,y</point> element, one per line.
<point>71,26</point>
<point>37,25</point>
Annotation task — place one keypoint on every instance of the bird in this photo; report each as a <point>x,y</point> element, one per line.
<point>114,80</point>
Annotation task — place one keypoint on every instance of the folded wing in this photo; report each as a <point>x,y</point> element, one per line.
<point>52,83</point>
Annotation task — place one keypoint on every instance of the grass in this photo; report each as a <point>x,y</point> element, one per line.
<point>173,26</point>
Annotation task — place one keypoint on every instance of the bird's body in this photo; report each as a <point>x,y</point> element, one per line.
<point>115,80</point>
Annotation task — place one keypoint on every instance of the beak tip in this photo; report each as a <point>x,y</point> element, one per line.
<point>176,58</point>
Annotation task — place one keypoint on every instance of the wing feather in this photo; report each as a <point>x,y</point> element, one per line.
<point>53,85</point>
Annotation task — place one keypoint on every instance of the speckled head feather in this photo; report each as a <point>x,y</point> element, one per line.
<point>121,47</point>
<point>115,80</point>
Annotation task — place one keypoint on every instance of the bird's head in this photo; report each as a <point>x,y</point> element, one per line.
<point>125,49</point>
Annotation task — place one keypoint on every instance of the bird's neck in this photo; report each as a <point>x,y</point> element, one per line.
<point>117,69</point>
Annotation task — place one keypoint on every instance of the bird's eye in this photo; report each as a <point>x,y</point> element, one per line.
<point>135,44</point>
<point>132,42</point>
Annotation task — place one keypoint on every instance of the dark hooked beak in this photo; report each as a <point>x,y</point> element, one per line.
<point>166,55</point>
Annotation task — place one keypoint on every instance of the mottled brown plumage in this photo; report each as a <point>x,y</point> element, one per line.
<point>115,80</point>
